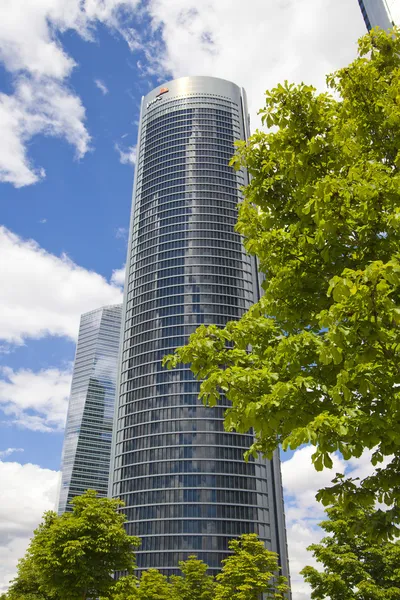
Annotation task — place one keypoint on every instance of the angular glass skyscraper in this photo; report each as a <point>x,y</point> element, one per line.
<point>375,13</point>
<point>88,431</point>
<point>186,486</point>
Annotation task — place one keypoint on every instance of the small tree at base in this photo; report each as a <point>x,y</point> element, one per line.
<point>194,582</point>
<point>252,570</point>
<point>153,585</point>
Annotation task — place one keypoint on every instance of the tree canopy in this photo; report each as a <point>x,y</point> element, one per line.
<point>194,581</point>
<point>250,573</point>
<point>73,556</point>
<point>354,567</point>
<point>316,360</point>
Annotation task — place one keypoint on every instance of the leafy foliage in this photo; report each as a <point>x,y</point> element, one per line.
<point>354,567</point>
<point>154,586</point>
<point>194,582</point>
<point>316,360</point>
<point>252,570</point>
<point>73,556</point>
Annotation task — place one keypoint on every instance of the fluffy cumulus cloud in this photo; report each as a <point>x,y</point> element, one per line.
<point>127,156</point>
<point>303,513</point>
<point>42,102</point>
<point>268,42</point>
<point>26,492</point>
<point>43,294</point>
<point>35,400</point>
<point>118,276</point>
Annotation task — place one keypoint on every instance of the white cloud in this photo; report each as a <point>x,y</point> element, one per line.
<point>268,42</point>
<point>36,401</point>
<point>121,233</point>
<point>42,102</point>
<point>118,276</point>
<point>102,86</point>
<point>9,451</point>
<point>127,156</point>
<point>271,41</point>
<point>26,492</point>
<point>37,107</point>
<point>43,294</point>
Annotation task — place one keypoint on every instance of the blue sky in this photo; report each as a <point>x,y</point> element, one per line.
<point>72,73</point>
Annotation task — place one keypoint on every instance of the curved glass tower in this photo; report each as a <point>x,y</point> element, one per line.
<point>186,486</point>
<point>88,431</point>
<point>375,13</point>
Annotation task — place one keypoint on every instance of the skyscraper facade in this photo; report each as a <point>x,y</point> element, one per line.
<point>375,13</point>
<point>186,486</point>
<point>88,431</point>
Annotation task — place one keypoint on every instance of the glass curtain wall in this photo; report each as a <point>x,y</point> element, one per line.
<point>88,431</point>
<point>186,486</point>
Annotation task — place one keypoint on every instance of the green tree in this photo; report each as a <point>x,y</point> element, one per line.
<point>27,584</point>
<point>125,588</point>
<point>154,585</point>
<point>194,582</point>
<point>72,556</point>
<point>250,571</point>
<point>354,567</point>
<point>316,360</point>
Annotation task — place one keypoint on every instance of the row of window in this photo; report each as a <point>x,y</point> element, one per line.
<point>161,389</point>
<point>188,165</point>
<point>189,222</point>
<point>185,131</point>
<point>185,214</point>
<point>178,452</point>
<point>182,542</point>
<point>184,466</point>
<point>193,526</point>
<point>188,208</point>
<point>189,125</point>
<point>190,294</point>
<point>203,303</point>
<point>209,243</point>
<point>235,278</point>
<point>162,401</point>
<point>222,104</point>
<point>198,116</point>
<point>168,323</point>
<point>211,141</point>
<point>173,198</point>
<point>189,230</point>
<point>207,185</point>
<point>172,156</point>
<point>188,176</point>
<point>201,190</point>
<point>181,439</point>
<point>167,561</point>
<point>162,378</point>
<point>202,496</point>
<point>212,315</point>
<point>212,261</point>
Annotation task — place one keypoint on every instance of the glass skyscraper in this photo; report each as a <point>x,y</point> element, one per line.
<point>186,486</point>
<point>375,13</point>
<point>88,431</point>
